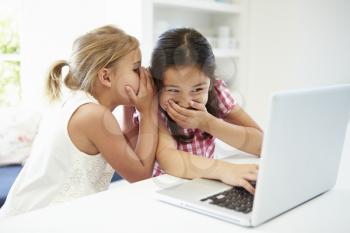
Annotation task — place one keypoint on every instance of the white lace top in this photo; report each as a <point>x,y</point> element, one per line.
<point>56,170</point>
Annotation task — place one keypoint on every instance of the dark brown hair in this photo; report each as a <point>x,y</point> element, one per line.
<point>184,47</point>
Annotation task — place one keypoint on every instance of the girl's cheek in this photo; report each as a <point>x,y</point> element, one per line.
<point>163,100</point>
<point>162,105</point>
<point>205,100</point>
<point>137,84</point>
<point>201,99</point>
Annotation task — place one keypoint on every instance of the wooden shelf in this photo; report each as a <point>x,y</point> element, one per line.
<point>208,6</point>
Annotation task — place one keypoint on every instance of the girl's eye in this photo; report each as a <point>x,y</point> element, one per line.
<point>198,89</point>
<point>137,71</point>
<point>172,90</point>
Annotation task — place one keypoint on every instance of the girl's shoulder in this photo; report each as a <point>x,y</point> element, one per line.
<point>91,114</point>
<point>92,122</point>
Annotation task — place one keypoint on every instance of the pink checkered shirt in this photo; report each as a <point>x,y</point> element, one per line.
<point>201,146</point>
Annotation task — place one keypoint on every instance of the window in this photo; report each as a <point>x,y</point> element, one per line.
<point>10,87</point>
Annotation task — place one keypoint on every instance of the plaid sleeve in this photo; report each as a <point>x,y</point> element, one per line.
<point>226,102</point>
<point>163,119</point>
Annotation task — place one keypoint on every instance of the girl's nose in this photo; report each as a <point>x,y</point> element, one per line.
<point>184,101</point>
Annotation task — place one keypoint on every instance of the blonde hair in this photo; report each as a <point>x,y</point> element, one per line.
<point>93,51</point>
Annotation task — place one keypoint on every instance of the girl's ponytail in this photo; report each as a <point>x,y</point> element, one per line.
<point>53,84</point>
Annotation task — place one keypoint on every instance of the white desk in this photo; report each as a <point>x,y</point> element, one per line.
<point>134,208</point>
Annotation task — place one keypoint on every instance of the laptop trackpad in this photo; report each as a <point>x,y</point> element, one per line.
<point>196,189</point>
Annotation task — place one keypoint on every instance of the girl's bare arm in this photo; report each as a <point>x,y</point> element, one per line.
<point>237,129</point>
<point>186,165</point>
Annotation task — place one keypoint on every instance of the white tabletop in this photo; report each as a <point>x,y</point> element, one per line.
<point>134,207</point>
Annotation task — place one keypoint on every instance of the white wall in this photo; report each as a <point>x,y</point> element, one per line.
<point>293,44</point>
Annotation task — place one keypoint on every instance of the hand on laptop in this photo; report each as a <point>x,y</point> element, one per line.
<point>240,175</point>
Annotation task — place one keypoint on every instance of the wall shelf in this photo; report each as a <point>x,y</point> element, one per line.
<point>218,21</point>
<point>208,6</point>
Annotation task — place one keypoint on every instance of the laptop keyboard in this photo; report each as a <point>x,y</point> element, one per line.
<point>236,198</point>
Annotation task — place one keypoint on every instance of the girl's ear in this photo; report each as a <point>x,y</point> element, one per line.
<point>104,76</point>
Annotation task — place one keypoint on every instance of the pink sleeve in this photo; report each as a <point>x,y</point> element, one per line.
<point>226,102</point>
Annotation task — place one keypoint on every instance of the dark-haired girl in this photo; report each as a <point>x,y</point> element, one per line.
<point>195,108</point>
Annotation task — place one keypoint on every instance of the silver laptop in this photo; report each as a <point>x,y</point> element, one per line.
<point>300,157</point>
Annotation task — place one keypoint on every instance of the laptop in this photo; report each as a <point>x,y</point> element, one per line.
<point>300,158</point>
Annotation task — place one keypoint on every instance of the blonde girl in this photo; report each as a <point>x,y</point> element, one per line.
<point>77,151</point>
